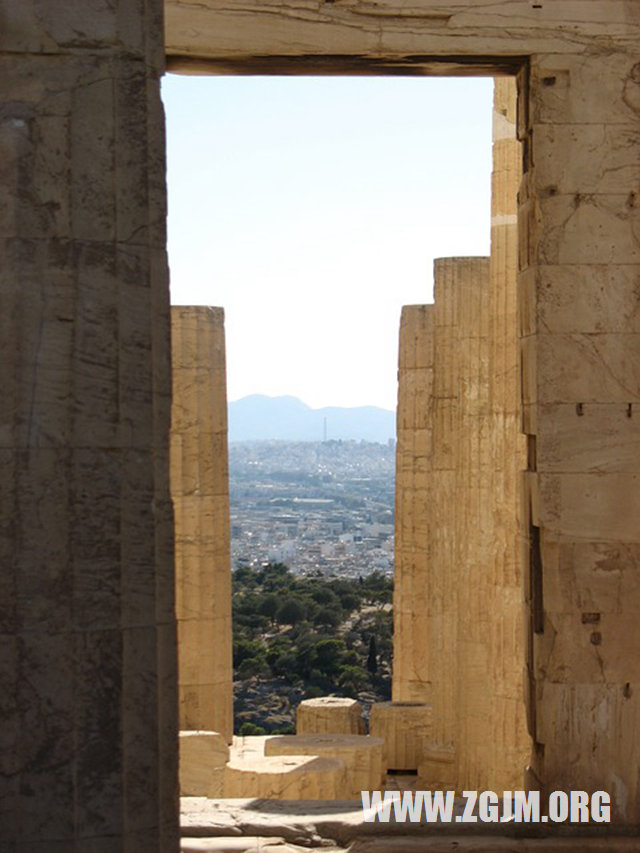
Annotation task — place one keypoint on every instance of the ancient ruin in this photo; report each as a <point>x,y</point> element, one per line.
<point>203,760</point>
<point>459,629</point>
<point>200,492</point>
<point>89,664</point>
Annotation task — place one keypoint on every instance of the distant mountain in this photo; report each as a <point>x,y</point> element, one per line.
<point>257,418</point>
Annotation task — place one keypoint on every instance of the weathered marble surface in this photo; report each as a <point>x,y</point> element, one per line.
<point>316,824</point>
<point>437,769</point>
<point>578,256</point>
<point>458,616</point>
<point>252,772</point>
<point>508,459</point>
<point>459,506</point>
<point>88,753</point>
<point>494,845</point>
<point>253,844</point>
<point>302,822</point>
<point>250,32</point>
<point>85,514</point>
<point>329,714</point>
<point>200,491</point>
<point>286,777</point>
<point>203,756</point>
<point>405,728</point>
<point>413,845</point>
<point>412,580</point>
<point>361,754</point>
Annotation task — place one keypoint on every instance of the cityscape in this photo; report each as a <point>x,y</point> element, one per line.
<point>319,507</point>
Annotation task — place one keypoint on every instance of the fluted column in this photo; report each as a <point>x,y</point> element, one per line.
<point>472,513</point>
<point>441,626</point>
<point>200,489</point>
<point>504,769</point>
<point>459,628</point>
<point>411,592</point>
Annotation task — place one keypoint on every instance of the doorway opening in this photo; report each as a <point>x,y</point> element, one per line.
<point>383,243</point>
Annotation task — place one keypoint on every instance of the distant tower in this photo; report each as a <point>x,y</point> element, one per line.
<point>324,430</point>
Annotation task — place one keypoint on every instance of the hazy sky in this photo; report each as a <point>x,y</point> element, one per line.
<point>311,209</point>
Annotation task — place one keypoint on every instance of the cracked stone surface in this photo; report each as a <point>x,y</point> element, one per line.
<point>200,492</point>
<point>339,826</point>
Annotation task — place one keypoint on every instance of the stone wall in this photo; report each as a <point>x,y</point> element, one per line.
<point>200,490</point>
<point>579,256</point>
<point>88,760</point>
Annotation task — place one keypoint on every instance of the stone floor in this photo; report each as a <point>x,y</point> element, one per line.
<point>278,826</point>
<point>257,844</point>
<point>253,746</point>
<point>293,826</point>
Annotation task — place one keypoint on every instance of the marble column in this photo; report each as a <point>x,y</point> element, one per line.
<point>88,756</point>
<point>470,570</point>
<point>491,742</point>
<point>200,489</point>
<point>459,615</point>
<point>411,591</point>
<point>505,766</point>
<point>455,279</point>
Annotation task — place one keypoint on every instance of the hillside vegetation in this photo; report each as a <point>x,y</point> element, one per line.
<point>300,637</point>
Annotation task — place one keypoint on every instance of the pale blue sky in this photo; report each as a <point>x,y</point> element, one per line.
<point>311,209</point>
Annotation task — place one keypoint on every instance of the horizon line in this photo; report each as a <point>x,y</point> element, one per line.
<point>312,408</point>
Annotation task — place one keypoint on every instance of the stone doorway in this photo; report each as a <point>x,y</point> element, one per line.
<point>460,441</point>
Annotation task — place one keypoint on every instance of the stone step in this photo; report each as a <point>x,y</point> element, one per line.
<point>291,777</point>
<point>340,826</point>
<point>361,754</point>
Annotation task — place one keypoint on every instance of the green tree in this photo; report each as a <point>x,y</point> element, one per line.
<point>378,589</point>
<point>372,656</point>
<point>351,657</point>
<point>329,617</point>
<point>325,595</point>
<point>244,649</point>
<point>352,679</point>
<point>251,667</point>
<point>349,602</point>
<point>285,666</point>
<point>290,612</point>
<point>305,657</point>
<point>251,729</point>
<point>275,576</point>
<point>253,623</point>
<point>328,655</point>
<point>244,578</point>
<point>269,606</point>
